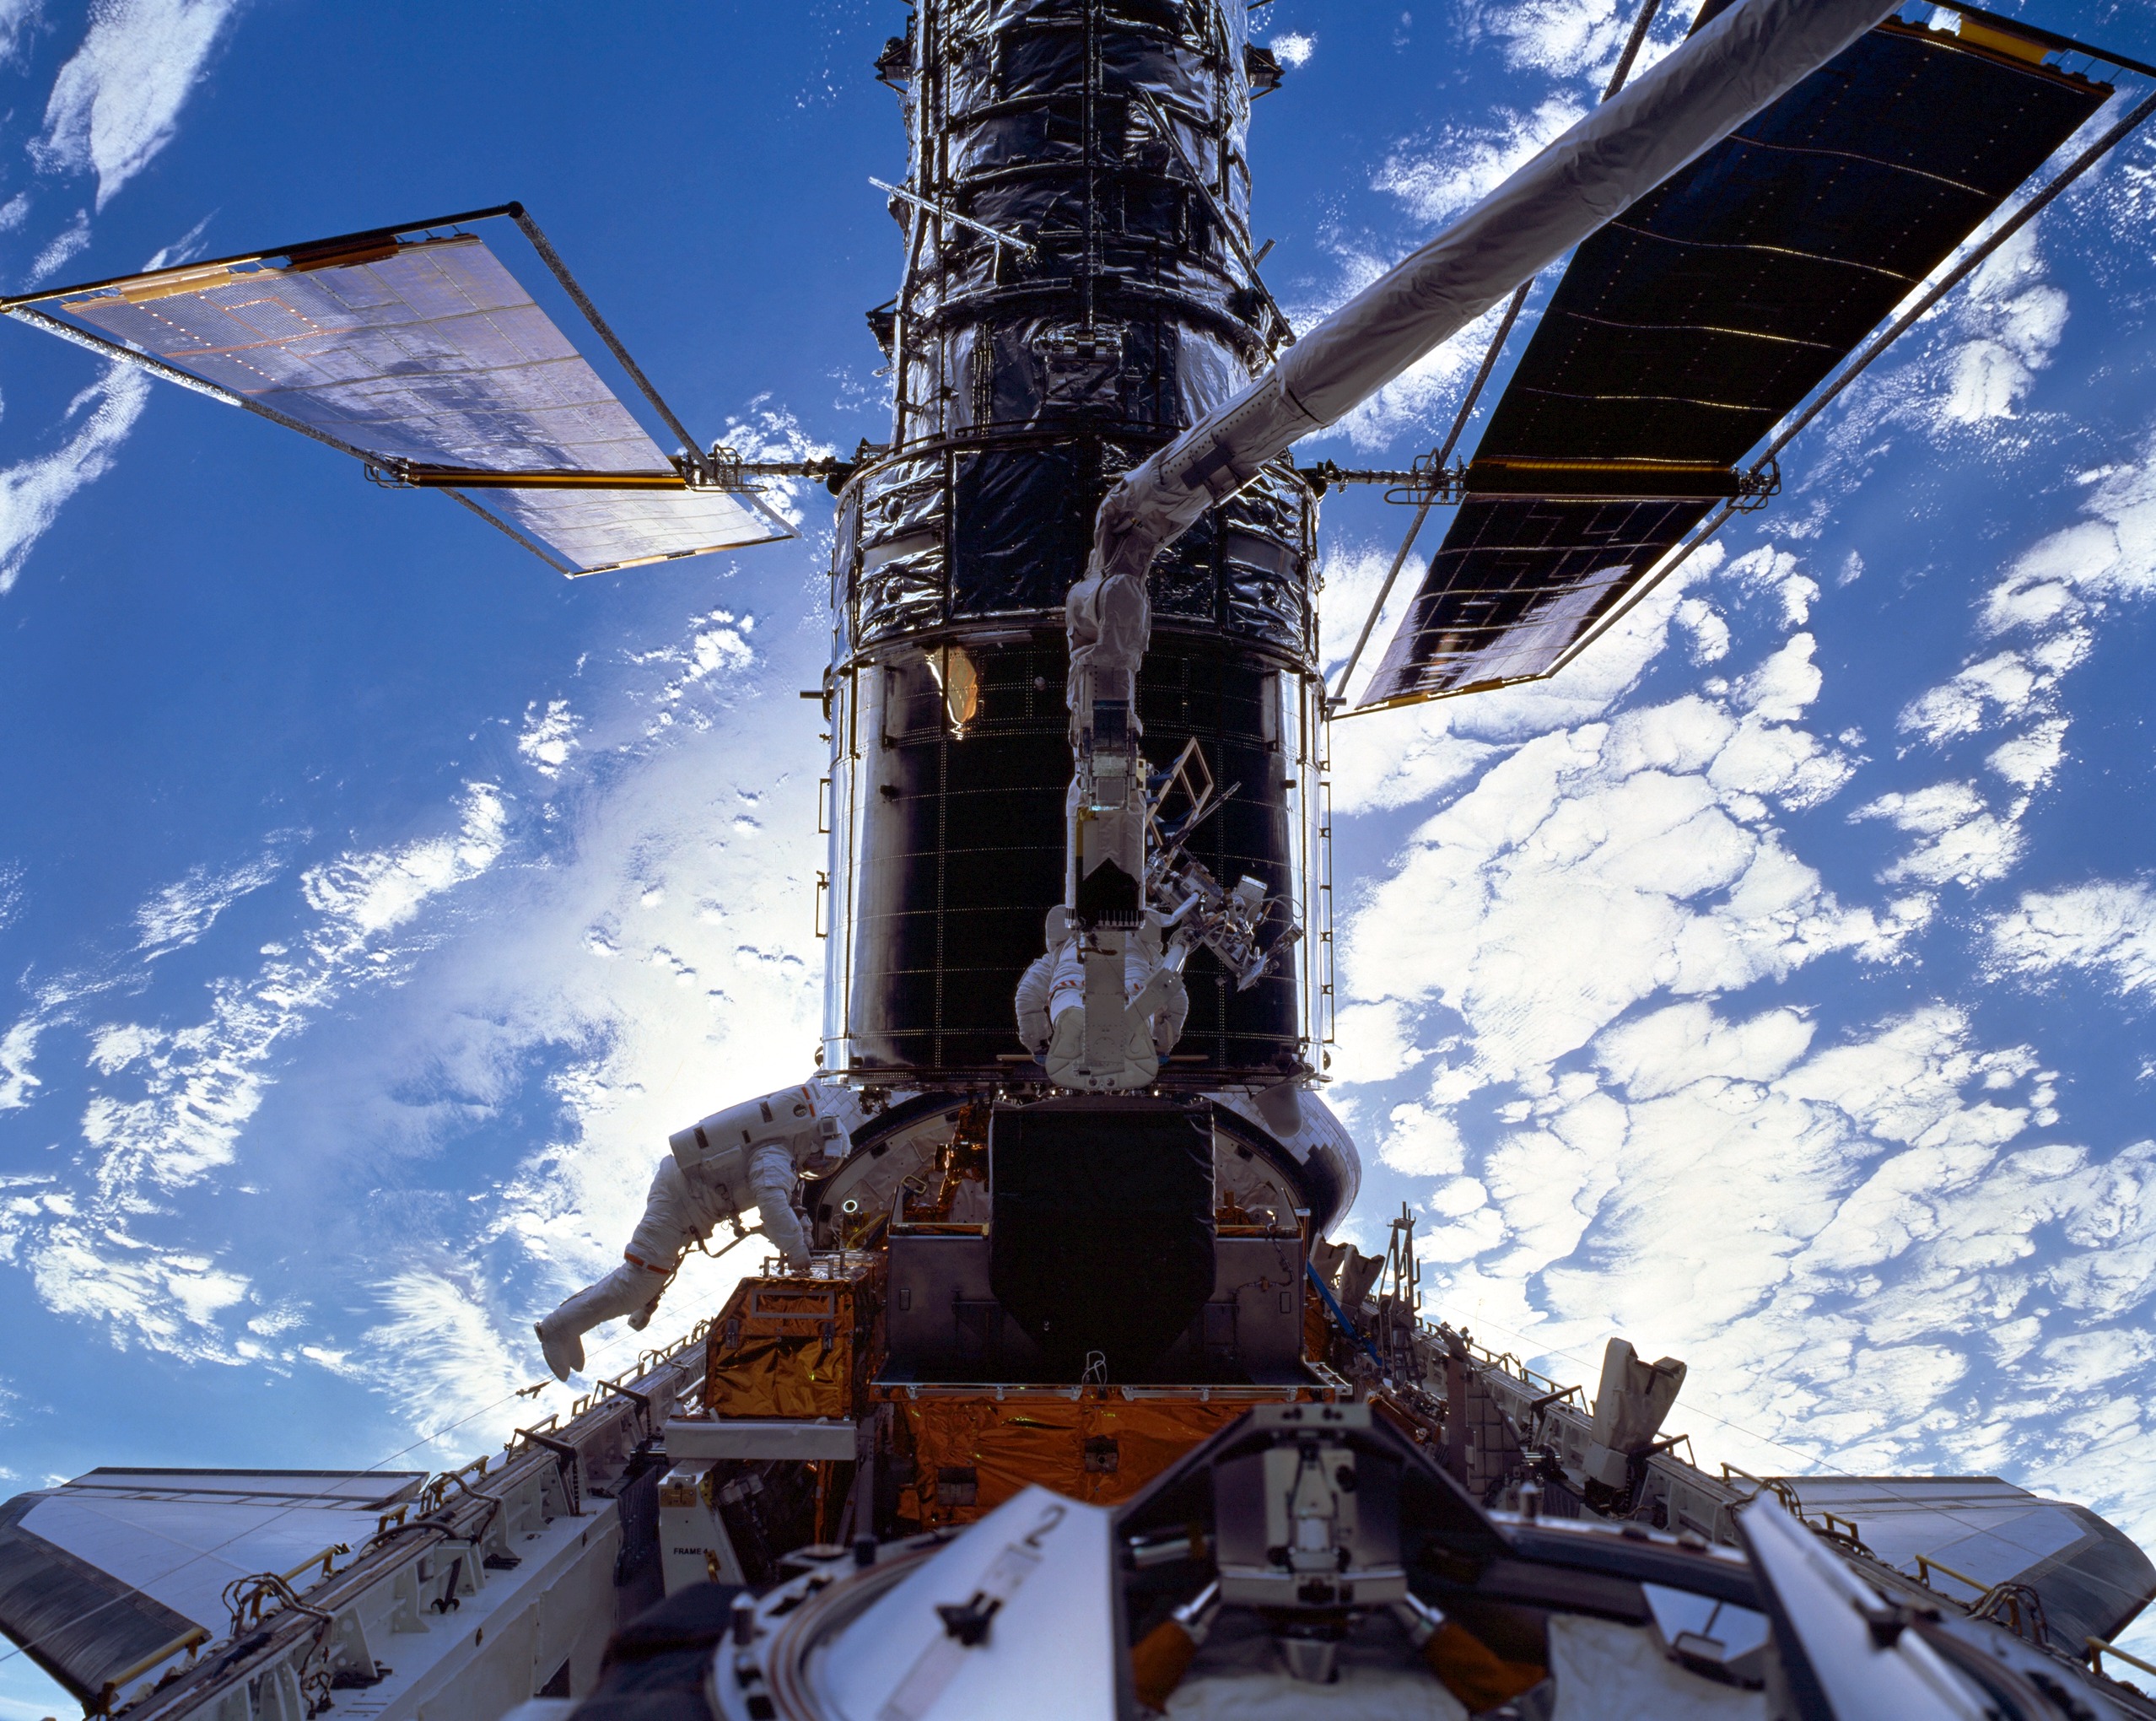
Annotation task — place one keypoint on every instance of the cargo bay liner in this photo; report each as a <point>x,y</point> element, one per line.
<point>1057,1394</point>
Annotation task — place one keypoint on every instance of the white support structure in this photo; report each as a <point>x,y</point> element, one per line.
<point>799,1440</point>
<point>498,1584</point>
<point>694,1545</point>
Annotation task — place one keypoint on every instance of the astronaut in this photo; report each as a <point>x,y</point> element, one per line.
<point>751,1155</point>
<point>1051,1002</point>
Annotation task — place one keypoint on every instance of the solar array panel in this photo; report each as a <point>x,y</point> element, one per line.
<point>430,352</point>
<point>1682,330</point>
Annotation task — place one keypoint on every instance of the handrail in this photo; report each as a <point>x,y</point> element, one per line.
<point>191,1640</point>
<point>1926,1563</point>
<point>1780,1489</point>
<point>1829,1524</point>
<point>334,1552</point>
<point>2098,1649</point>
<point>531,1442</point>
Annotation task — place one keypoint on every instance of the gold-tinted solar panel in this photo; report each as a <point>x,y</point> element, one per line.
<point>428,351</point>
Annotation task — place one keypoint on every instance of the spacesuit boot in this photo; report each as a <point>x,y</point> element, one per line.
<point>631,1289</point>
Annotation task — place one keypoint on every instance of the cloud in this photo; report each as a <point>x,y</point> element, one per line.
<point>1588,1045</point>
<point>2010,319</point>
<point>1961,840</point>
<point>71,241</point>
<point>661,964</point>
<point>1292,48</point>
<point>2043,608</point>
<point>1581,38</point>
<point>1565,38</point>
<point>359,896</point>
<point>1887,1256</point>
<point>32,492</point>
<point>2108,930</point>
<point>1774,572</point>
<point>2000,688</point>
<point>1436,180</point>
<point>1397,758</point>
<point>717,646</point>
<point>1970,367</point>
<point>183,250</point>
<point>172,1102</point>
<point>762,431</point>
<point>547,737</point>
<point>18,17</point>
<point>116,104</point>
<point>2031,760</point>
<point>1615,1133</point>
<point>439,1353</point>
<point>18,1046</point>
<point>552,987</point>
<point>179,914</point>
<point>2071,576</point>
<point>1600,863</point>
<point>1351,576</point>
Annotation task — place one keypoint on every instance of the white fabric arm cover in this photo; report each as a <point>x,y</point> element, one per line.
<point>1032,1002</point>
<point>771,1177</point>
<point>1737,64</point>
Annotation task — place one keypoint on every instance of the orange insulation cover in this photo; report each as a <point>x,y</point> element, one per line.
<point>1008,1447</point>
<point>792,1347</point>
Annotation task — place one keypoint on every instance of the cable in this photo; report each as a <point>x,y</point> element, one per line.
<point>1346,1327</point>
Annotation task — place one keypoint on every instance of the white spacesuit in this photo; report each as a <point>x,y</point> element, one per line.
<point>751,1155</point>
<point>1051,1002</point>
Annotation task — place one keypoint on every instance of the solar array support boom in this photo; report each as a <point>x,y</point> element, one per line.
<point>105,347</point>
<point>312,247</point>
<point>548,256</point>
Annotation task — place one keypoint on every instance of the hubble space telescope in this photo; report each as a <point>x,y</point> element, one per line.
<point>1054,1381</point>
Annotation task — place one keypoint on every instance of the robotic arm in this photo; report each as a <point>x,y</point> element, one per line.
<point>1726,71</point>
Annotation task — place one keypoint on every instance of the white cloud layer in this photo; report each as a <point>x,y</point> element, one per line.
<point>1292,47</point>
<point>17,20</point>
<point>1436,179</point>
<point>117,103</point>
<point>174,1101</point>
<point>636,923</point>
<point>547,736</point>
<point>179,914</point>
<point>32,492</point>
<point>1870,1244</point>
<point>2108,930</point>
